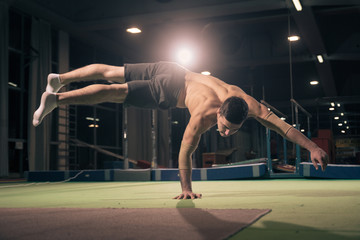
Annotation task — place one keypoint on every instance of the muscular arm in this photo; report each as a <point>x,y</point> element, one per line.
<point>270,120</point>
<point>189,144</point>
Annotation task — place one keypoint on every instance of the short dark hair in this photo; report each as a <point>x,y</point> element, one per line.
<point>234,109</point>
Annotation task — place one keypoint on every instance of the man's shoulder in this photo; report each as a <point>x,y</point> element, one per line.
<point>204,119</point>
<point>236,91</point>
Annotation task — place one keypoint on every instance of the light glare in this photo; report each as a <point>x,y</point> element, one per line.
<point>314,82</point>
<point>207,73</point>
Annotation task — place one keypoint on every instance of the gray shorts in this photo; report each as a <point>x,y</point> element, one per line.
<point>154,85</point>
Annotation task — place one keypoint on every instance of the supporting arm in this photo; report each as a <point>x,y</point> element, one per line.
<point>189,144</point>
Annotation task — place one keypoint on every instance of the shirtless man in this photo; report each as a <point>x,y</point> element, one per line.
<point>164,85</point>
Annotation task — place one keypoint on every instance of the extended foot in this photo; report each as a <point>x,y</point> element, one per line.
<point>54,83</point>
<point>47,104</point>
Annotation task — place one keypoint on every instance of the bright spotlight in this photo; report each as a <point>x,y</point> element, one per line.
<point>185,56</point>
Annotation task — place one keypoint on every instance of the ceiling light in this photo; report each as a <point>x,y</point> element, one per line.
<point>336,118</point>
<point>342,114</point>
<point>342,131</point>
<point>293,38</point>
<point>297,5</point>
<point>347,127</point>
<point>133,30</point>
<point>302,130</point>
<point>282,118</point>
<point>340,124</point>
<point>331,109</point>
<point>314,82</point>
<point>207,73</point>
<point>332,104</point>
<point>345,122</point>
<point>92,119</point>
<point>320,58</point>
<point>12,84</point>
<point>338,105</point>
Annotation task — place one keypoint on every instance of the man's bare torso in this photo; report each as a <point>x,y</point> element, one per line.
<point>204,95</point>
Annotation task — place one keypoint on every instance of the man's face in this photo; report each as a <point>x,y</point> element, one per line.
<point>225,127</point>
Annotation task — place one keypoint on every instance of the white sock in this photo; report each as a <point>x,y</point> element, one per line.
<point>53,84</point>
<point>47,104</point>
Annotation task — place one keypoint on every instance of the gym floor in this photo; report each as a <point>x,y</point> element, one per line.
<point>301,208</point>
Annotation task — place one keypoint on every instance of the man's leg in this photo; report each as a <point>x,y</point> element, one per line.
<point>87,73</point>
<point>93,94</point>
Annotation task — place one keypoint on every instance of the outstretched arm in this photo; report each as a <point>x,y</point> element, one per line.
<point>270,120</point>
<point>317,154</point>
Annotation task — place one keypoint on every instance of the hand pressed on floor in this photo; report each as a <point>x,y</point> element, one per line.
<point>188,195</point>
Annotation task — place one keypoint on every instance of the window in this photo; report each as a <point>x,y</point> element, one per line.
<point>19,46</point>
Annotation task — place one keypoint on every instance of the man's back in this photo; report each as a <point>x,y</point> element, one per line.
<point>209,92</point>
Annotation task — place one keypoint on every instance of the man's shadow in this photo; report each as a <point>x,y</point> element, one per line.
<point>211,227</point>
<point>208,226</point>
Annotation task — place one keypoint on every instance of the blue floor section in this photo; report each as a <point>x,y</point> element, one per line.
<point>234,172</point>
<point>218,173</point>
<point>90,175</point>
<point>333,171</point>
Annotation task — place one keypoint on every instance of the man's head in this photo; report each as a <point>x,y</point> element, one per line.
<point>231,115</point>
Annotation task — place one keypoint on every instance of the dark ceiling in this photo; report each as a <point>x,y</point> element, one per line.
<point>242,42</point>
